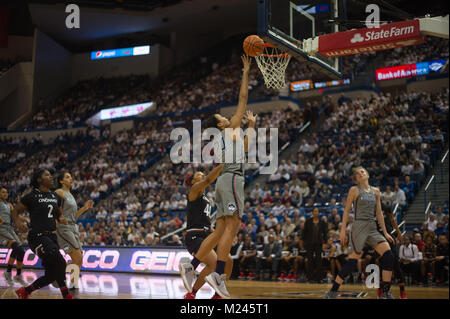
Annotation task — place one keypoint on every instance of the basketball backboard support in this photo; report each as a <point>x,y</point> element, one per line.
<point>287,23</point>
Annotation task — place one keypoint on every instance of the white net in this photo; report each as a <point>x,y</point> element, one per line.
<point>273,63</point>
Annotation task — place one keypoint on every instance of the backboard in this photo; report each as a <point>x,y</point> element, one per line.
<point>287,23</point>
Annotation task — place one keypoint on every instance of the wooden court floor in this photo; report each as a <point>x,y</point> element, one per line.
<point>96,285</point>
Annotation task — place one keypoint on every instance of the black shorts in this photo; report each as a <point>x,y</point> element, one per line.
<point>44,244</point>
<point>193,241</point>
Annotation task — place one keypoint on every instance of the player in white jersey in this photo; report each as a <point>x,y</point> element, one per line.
<point>68,235</point>
<point>9,238</point>
<point>229,186</point>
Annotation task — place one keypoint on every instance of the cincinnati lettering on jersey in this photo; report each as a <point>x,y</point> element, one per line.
<point>48,200</point>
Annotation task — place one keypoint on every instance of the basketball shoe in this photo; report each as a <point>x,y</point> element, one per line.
<point>189,295</point>
<point>217,282</point>
<point>187,274</point>
<point>22,293</point>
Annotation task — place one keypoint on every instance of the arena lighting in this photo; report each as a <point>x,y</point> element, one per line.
<point>115,53</point>
<point>124,111</point>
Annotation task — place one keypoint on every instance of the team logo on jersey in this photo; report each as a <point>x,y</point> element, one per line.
<point>231,207</point>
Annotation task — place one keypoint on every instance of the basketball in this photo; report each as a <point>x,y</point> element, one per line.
<point>253,45</point>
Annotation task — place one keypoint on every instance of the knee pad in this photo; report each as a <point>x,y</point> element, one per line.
<point>17,252</point>
<point>387,261</point>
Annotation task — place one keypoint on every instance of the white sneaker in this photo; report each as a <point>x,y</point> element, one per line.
<point>187,274</point>
<point>217,282</point>
<point>20,280</point>
<point>8,278</point>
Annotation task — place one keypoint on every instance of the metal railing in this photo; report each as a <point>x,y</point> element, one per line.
<point>427,210</point>
<point>433,178</point>
<point>442,167</point>
<point>402,224</point>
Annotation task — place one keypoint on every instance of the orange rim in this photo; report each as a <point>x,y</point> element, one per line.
<point>268,45</point>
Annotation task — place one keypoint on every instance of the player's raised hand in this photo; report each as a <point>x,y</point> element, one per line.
<point>251,118</point>
<point>89,204</point>
<point>246,62</point>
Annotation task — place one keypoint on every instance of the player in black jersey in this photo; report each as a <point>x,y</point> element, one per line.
<point>391,225</point>
<point>197,230</point>
<point>44,207</point>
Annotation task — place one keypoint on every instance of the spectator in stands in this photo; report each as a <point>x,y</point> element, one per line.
<point>270,258</point>
<point>439,214</point>
<point>442,259</point>
<point>440,228</point>
<point>418,241</point>
<point>247,259</point>
<point>400,197</point>
<point>428,260</point>
<point>432,222</point>
<point>314,235</point>
<point>409,259</point>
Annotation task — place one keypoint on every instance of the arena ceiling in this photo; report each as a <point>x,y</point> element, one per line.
<point>108,23</point>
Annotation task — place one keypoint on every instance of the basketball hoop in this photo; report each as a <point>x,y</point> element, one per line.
<point>273,63</point>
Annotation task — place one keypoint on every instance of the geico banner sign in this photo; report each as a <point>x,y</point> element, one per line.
<point>164,260</point>
<point>387,36</point>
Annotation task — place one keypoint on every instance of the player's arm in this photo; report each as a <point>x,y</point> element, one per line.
<point>380,216</point>
<point>236,120</point>
<point>11,207</point>
<point>59,215</point>
<point>251,118</point>
<point>352,194</point>
<point>397,229</point>
<point>199,187</point>
<point>17,220</point>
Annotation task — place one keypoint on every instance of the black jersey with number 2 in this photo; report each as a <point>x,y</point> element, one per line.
<point>43,208</point>
<point>199,213</point>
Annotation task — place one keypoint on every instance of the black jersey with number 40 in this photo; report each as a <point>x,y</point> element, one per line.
<point>43,208</point>
<point>199,213</point>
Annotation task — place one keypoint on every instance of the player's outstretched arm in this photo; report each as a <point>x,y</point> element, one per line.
<point>236,120</point>
<point>199,187</point>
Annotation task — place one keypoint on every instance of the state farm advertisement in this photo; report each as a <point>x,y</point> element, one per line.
<point>387,36</point>
<point>164,260</point>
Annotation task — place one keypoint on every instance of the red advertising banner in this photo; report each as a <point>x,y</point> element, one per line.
<point>387,36</point>
<point>396,72</point>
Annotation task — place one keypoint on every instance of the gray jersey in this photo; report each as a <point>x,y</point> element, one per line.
<point>70,208</point>
<point>365,205</point>
<point>5,213</point>
<point>235,163</point>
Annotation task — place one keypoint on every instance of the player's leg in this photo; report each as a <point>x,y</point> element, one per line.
<point>19,254</point>
<point>357,240</point>
<point>187,269</point>
<point>217,278</point>
<point>54,266</point>
<point>387,266</point>
<point>12,258</point>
